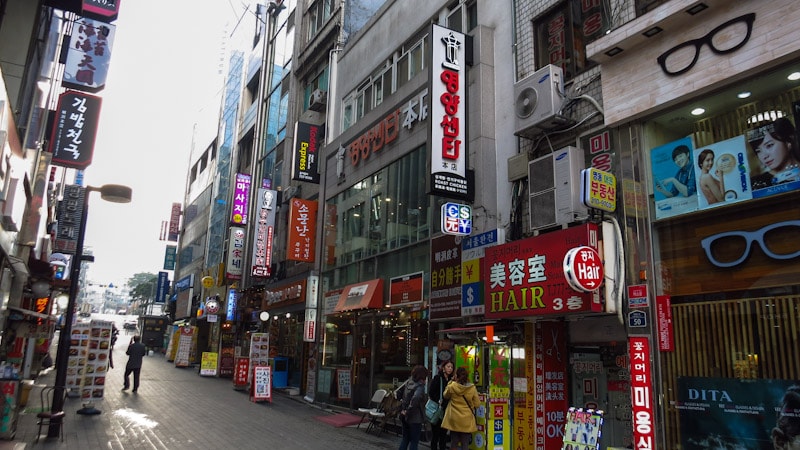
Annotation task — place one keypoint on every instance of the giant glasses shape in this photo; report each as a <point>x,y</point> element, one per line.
<point>769,238</point>
<point>726,38</point>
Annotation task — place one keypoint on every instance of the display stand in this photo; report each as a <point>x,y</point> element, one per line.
<point>261,387</point>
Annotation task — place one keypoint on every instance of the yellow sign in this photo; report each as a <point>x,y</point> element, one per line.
<point>208,282</point>
<point>599,190</point>
<point>208,364</point>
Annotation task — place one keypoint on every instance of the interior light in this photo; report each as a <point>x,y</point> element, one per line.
<point>794,76</point>
<point>744,94</point>
<point>698,111</point>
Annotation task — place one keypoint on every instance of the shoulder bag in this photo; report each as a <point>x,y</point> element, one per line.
<point>433,409</point>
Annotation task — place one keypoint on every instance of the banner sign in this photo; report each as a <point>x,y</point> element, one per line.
<point>264,232</point>
<point>174,222</point>
<point>241,195</point>
<point>89,55</point>
<point>448,176</point>
<point>69,217</point>
<point>302,226</point>
<point>235,253</point>
<point>644,432</point>
<point>307,141</point>
<point>75,129</point>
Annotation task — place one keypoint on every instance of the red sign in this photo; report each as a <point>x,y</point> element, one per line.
<point>242,366</point>
<point>526,277</point>
<point>105,10</point>
<point>406,289</point>
<point>641,393</point>
<point>583,268</point>
<point>302,226</point>
<point>664,323</point>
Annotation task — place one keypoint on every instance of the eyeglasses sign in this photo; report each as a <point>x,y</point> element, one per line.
<point>726,38</point>
<point>731,248</point>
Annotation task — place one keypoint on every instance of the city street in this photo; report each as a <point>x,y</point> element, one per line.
<point>176,408</point>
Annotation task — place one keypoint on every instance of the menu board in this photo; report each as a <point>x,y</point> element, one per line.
<point>259,351</point>
<point>78,349</point>
<point>208,364</point>
<point>184,347</point>
<point>97,354</point>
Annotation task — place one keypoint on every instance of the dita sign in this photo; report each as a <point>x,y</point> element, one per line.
<point>305,161</point>
<point>75,129</point>
<point>448,80</point>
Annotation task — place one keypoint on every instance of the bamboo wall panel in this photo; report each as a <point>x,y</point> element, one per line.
<point>746,338</point>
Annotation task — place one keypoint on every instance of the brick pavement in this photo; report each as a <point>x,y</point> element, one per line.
<point>177,409</point>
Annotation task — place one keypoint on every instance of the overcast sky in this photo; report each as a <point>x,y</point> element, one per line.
<point>164,75</point>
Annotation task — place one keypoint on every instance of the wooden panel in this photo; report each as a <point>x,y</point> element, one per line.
<point>747,338</point>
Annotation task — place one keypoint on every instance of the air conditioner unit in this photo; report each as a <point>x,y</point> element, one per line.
<point>537,100</point>
<point>318,100</point>
<point>554,184</point>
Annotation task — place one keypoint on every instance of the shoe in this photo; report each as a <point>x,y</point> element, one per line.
<point>125,388</point>
<point>135,390</point>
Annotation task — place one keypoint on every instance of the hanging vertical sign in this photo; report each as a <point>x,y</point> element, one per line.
<point>88,55</point>
<point>302,226</point>
<point>305,159</point>
<point>69,217</point>
<point>174,222</point>
<point>641,393</point>
<point>105,10</point>
<point>448,174</point>
<point>235,253</point>
<point>264,232</point>
<point>241,192</point>
<point>75,129</point>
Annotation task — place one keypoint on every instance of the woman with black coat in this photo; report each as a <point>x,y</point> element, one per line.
<point>435,390</point>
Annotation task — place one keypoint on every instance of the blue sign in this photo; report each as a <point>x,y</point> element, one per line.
<point>456,219</point>
<point>637,319</point>
<point>162,288</point>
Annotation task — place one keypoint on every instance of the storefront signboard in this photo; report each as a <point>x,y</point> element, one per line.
<point>184,347</point>
<point>261,389</point>
<point>302,225</point>
<point>445,297</point>
<point>406,289</point>
<point>236,240</point>
<point>241,196</point>
<point>308,139</point>
<point>88,55</point>
<point>583,269</point>
<point>208,364</point>
<point>343,381</point>
<point>263,232</point>
<point>75,129</point>
<point>599,189</point>
<point>637,296</point>
<point>526,277</point>
<point>550,362</point>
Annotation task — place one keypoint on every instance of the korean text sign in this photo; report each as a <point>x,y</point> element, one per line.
<point>302,229</point>
<point>641,393</point>
<point>75,129</point>
<point>526,277</point>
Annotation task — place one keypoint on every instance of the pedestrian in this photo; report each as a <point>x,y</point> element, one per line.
<point>459,417</point>
<point>136,351</point>
<point>412,408</point>
<point>435,391</point>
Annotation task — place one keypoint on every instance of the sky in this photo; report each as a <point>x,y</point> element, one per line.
<point>165,74</point>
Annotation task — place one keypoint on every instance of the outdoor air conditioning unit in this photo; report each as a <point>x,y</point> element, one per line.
<point>554,181</point>
<point>318,100</point>
<point>537,101</point>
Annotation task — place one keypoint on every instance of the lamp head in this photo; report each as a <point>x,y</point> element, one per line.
<point>115,193</point>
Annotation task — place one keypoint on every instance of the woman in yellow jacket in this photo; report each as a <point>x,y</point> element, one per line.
<point>459,417</point>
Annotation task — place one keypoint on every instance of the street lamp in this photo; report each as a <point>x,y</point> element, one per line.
<point>114,193</point>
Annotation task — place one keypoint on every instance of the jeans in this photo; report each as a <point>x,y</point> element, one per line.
<point>411,435</point>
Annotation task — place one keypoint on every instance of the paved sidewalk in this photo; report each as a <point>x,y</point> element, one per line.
<point>176,408</point>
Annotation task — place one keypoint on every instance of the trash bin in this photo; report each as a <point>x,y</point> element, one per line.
<point>280,376</point>
<point>25,392</point>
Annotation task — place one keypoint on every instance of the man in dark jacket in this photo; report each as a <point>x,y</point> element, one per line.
<point>136,351</point>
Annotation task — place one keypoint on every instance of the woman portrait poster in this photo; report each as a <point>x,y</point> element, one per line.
<point>722,173</point>
<point>774,158</point>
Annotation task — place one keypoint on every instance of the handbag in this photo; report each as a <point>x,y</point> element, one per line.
<point>433,409</point>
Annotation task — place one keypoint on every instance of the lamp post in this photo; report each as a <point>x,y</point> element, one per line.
<point>113,193</point>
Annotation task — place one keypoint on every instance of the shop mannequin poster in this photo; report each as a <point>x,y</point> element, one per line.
<point>722,173</point>
<point>674,178</point>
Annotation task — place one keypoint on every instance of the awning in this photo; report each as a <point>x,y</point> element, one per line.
<point>367,294</point>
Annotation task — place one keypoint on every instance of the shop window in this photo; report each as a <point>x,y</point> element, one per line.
<point>563,34</point>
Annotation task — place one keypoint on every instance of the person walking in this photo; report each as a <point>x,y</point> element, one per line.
<point>435,391</point>
<point>412,408</point>
<point>459,417</point>
<point>136,351</point>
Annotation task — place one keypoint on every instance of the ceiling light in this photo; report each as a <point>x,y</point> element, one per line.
<point>614,51</point>
<point>744,94</point>
<point>698,111</point>
<point>794,76</point>
<point>653,31</point>
<point>696,8</point>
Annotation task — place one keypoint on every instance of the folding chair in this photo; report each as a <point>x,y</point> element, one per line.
<point>46,416</point>
<point>389,409</point>
<point>376,400</point>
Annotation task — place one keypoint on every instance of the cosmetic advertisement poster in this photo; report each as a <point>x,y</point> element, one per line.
<point>722,173</point>
<point>774,156</point>
<point>674,178</point>
<point>736,413</point>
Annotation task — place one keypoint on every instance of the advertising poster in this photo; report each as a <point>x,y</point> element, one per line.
<point>241,373</point>
<point>499,434</point>
<point>551,382</point>
<point>674,185</point>
<point>343,380</point>
<point>94,378</point>
<point>774,158</point>
<point>583,429</point>
<point>736,413</point>
<point>208,364</point>
<point>722,173</point>
<point>468,357</point>
<point>259,349</point>
<point>78,349</point>
<point>262,384</point>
